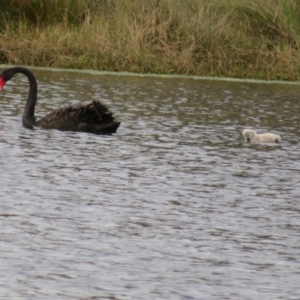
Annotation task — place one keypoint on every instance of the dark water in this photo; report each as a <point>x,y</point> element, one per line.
<point>174,206</point>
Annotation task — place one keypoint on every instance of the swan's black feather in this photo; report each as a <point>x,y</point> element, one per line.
<point>93,117</point>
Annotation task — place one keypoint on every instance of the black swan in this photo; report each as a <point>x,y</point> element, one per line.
<point>93,117</point>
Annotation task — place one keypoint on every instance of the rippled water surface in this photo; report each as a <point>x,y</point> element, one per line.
<point>175,205</point>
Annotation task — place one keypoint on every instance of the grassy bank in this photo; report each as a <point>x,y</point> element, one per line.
<point>224,38</point>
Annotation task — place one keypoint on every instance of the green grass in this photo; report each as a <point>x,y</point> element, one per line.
<point>224,38</point>
<point>44,12</point>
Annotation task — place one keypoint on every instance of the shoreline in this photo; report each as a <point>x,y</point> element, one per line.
<point>166,76</point>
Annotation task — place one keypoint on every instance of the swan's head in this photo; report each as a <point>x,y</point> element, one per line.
<point>5,76</point>
<point>278,139</point>
<point>248,134</point>
<point>2,82</point>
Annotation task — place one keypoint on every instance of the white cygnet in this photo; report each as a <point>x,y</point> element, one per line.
<point>253,137</point>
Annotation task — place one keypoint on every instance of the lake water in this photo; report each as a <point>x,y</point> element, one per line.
<point>175,205</point>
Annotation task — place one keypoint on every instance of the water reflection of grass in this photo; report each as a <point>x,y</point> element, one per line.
<point>232,38</point>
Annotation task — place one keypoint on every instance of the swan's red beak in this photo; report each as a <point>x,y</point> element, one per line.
<point>2,83</point>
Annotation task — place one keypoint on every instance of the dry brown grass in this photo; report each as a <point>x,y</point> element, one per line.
<point>208,38</point>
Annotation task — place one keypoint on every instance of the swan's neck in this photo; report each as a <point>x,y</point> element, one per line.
<point>28,118</point>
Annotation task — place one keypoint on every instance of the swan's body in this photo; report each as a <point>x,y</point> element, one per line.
<point>93,117</point>
<point>268,137</point>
